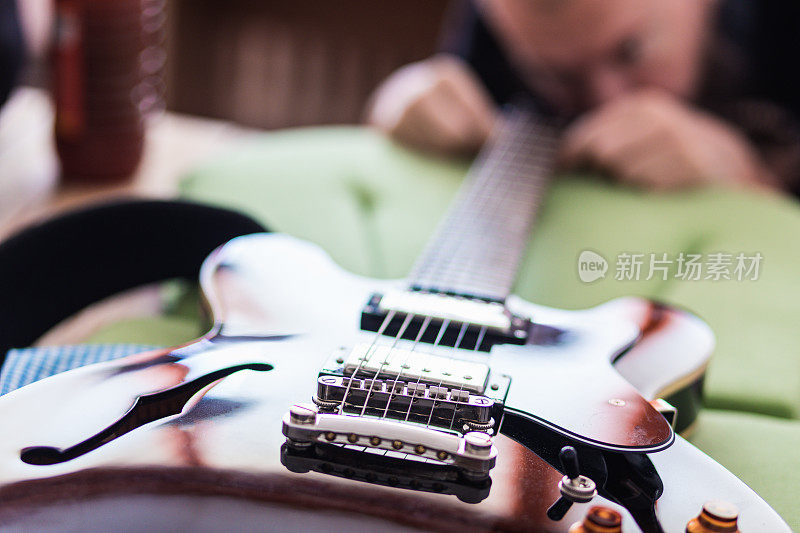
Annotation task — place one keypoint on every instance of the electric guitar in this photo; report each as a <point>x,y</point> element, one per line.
<point>320,400</point>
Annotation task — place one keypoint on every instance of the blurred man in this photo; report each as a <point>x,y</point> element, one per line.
<point>664,93</point>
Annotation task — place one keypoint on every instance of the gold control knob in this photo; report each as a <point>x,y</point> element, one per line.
<point>599,520</point>
<point>716,517</point>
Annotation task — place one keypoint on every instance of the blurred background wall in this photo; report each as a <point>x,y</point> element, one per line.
<point>274,63</point>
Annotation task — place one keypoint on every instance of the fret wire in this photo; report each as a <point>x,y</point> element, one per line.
<point>501,193</point>
<point>469,267</point>
<point>485,161</point>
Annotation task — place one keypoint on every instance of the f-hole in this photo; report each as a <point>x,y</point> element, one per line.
<point>147,408</point>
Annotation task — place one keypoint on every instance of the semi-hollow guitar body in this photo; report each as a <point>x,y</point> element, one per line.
<point>281,308</point>
<point>320,400</point>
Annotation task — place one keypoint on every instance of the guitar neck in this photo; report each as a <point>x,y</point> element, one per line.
<point>477,248</point>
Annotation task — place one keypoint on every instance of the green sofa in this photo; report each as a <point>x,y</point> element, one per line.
<point>372,206</point>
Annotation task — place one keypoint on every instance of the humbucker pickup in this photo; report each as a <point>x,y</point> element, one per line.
<point>413,401</point>
<point>484,323</point>
<point>415,365</point>
<point>409,385</point>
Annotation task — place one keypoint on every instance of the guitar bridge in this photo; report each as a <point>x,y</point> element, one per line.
<point>473,453</point>
<point>379,469</point>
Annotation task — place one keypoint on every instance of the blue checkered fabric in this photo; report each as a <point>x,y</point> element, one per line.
<point>27,365</point>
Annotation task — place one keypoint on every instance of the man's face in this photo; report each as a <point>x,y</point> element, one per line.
<point>578,54</point>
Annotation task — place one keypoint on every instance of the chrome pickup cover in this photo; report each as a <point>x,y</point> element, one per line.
<point>414,365</point>
<point>444,319</point>
<point>407,401</point>
<point>474,452</point>
<point>490,314</point>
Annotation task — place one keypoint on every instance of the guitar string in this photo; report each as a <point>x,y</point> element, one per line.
<point>435,248</point>
<point>518,128</point>
<point>515,121</point>
<point>521,128</point>
<point>473,192</point>
<point>515,126</point>
<point>471,196</point>
<point>365,358</point>
<point>510,128</point>
<point>506,136</point>
<point>439,335</point>
<point>527,130</point>
<point>423,328</point>
<point>478,343</point>
<point>399,335</point>
<point>370,351</point>
<point>451,358</point>
<point>367,354</point>
<point>508,192</point>
<point>507,133</point>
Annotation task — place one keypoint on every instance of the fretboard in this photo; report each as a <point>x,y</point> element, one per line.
<point>477,248</point>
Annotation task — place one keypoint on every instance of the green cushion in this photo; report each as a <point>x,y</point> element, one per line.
<point>372,206</point>
<point>761,450</point>
<point>181,320</point>
<point>155,331</point>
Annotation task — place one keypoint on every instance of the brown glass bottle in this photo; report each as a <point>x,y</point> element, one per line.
<point>98,80</point>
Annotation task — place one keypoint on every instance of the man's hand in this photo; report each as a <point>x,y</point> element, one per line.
<point>653,140</point>
<point>437,105</point>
